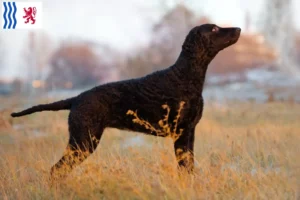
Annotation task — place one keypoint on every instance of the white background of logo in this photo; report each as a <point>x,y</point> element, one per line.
<point>20,13</point>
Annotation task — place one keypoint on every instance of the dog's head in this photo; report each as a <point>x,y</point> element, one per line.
<point>210,38</point>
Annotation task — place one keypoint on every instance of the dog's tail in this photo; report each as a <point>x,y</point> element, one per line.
<point>59,105</point>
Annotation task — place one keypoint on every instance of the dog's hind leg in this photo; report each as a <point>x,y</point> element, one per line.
<point>84,139</point>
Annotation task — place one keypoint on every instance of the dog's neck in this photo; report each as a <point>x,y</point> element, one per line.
<point>193,67</point>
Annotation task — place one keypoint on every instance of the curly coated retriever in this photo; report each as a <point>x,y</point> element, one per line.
<point>140,104</point>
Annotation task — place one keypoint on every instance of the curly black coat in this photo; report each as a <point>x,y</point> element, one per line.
<point>107,105</point>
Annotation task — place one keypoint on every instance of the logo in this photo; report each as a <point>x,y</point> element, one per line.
<point>9,21</point>
<point>30,14</point>
<point>21,15</point>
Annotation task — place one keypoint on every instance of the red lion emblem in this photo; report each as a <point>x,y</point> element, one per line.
<point>30,14</point>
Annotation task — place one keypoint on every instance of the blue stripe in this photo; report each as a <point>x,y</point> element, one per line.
<point>9,13</point>
<point>4,15</point>
<point>14,15</point>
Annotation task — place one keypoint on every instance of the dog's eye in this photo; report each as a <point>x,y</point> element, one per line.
<point>215,29</point>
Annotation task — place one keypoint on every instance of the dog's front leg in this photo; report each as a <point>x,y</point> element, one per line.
<point>184,150</point>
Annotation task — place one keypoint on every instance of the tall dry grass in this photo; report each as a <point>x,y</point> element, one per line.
<point>242,151</point>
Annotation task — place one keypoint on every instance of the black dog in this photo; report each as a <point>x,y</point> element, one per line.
<point>141,104</point>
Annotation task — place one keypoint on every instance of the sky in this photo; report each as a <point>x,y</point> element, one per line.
<point>119,23</point>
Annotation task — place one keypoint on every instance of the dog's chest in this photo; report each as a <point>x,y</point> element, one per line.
<point>193,110</point>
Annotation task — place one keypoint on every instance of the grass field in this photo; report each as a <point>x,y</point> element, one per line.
<point>250,151</point>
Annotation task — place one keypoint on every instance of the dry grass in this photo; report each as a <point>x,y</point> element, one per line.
<point>165,129</point>
<point>251,151</point>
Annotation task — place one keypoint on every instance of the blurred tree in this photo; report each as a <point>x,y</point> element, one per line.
<point>278,28</point>
<point>167,38</point>
<point>74,65</point>
<point>170,32</point>
<point>37,52</point>
<point>2,53</point>
<point>247,21</point>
